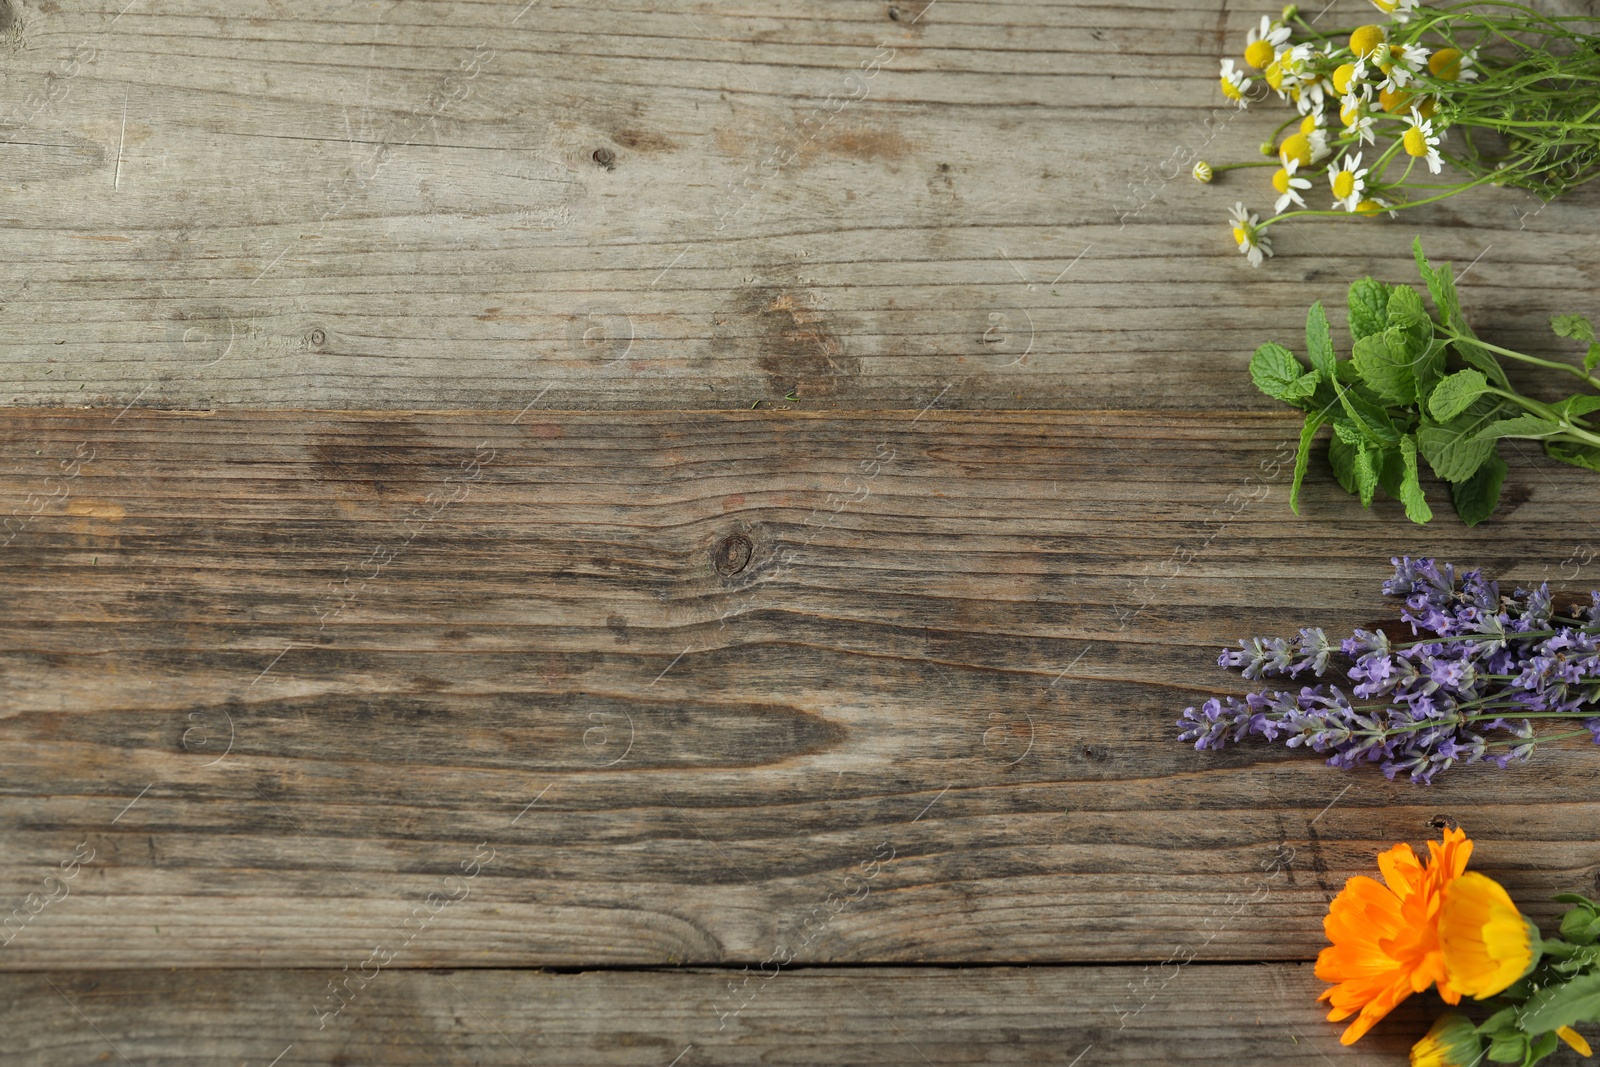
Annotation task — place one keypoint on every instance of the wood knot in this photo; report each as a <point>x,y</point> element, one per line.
<point>732,555</point>
<point>605,157</point>
<point>1443,822</point>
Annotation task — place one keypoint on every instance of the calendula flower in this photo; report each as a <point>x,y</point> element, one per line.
<point>1452,1041</point>
<point>1235,83</point>
<point>1451,64</point>
<point>1284,180</point>
<point>1386,935</point>
<point>1247,232</point>
<point>1262,43</point>
<point>1486,942</point>
<point>1202,172</point>
<point>1349,182</point>
<point>1421,142</point>
<point>1367,41</point>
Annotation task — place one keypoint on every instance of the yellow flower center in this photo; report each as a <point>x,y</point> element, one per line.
<point>1343,76</point>
<point>1386,6</point>
<point>1308,124</point>
<point>1366,40</point>
<point>1259,54</point>
<point>1393,100</point>
<point>1274,75</point>
<point>1369,208</point>
<point>1230,90</point>
<point>1416,142</point>
<point>1445,64</point>
<point>1296,146</point>
<point>1427,107</point>
<point>1387,63</point>
<point>1350,114</point>
<point>1280,180</point>
<point>1344,183</point>
<point>1239,235</point>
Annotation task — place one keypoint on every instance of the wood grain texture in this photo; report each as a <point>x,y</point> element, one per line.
<point>342,204</point>
<point>1218,1015</point>
<point>704,687</point>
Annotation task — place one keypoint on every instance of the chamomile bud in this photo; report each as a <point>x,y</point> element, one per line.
<point>1202,172</point>
<point>1268,148</point>
<point>1290,11</point>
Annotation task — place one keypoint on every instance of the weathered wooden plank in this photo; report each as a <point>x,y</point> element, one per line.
<point>326,203</point>
<point>1085,1016</point>
<point>692,681</point>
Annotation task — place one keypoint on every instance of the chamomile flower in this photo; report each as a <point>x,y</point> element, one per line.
<point>1247,232</point>
<point>1262,44</point>
<point>1400,9</point>
<point>1284,180</point>
<point>1357,121</point>
<point>1349,181</point>
<point>1421,142</point>
<point>1235,83</point>
<point>1402,65</point>
<point>1451,64</point>
<point>1202,172</point>
<point>1347,77</point>
<point>1367,41</point>
<point>1375,206</point>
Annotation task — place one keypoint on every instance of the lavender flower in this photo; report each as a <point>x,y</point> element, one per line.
<point>1483,666</point>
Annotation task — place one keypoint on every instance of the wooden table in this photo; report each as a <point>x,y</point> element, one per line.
<point>676,533</point>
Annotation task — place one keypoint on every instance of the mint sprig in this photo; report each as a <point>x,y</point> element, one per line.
<point>1424,385</point>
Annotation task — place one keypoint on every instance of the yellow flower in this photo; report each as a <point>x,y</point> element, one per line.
<point>1393,100</point>
<point>1385,936</point>
<point>1366,40</point>
<point>1487,943</point>
<point>1297,147</point>
<point>1372,208</point>
<point>1262,43</point>
<point>1401,9</point>
<point>1234,83</point>
<point>1342,77</point>
<point>1445,64</point>
<point>1452,1042</point>
<point>1274,76</point>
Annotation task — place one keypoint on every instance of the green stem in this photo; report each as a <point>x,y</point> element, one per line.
<point>1568,368</point>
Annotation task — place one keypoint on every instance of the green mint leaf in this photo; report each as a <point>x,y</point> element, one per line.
<point>1521,426</point>
<point>1369,307</point>
<point>1575,1001</point>
<point>1455,394</point>
<point>1574,326</point>
<point>1475,497</point>
<point>1279,374</point>
<point>1578,405</point>
<point>1302,458</point>
<point>1348,432</point>
<point>1578,455</point>
<point>1366,465</point>
<point>1342,455</point>
<point>1428,368</point>
<point>1391,471</point>
<point>1405,308</point>
<point>1450,449</point>
<point>1592,360</point>
<point>1411,494</point>
<point>1385,363</point>
<point>1369,416</point>
<point>1319,341</point>
<point>1441,286</point>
